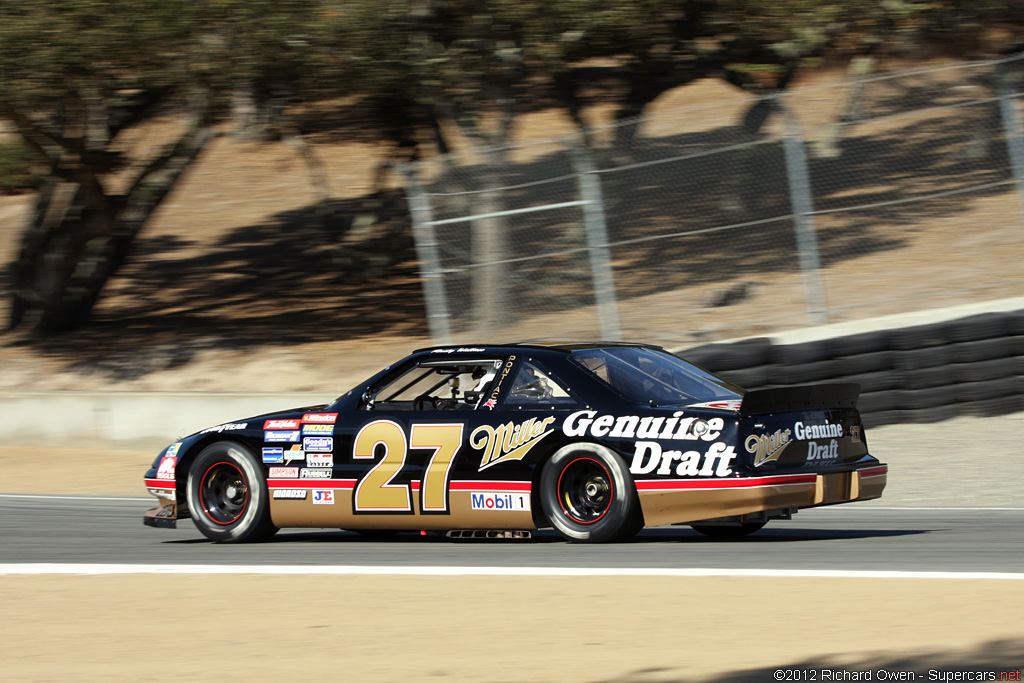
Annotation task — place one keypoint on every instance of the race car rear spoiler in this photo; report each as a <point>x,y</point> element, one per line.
<point>807,397</point>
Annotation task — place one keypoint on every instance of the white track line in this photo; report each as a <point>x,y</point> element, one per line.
<point>57,496</point>
<point>14,569</point>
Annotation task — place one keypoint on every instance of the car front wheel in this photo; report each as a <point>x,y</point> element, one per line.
<point>589,496</point>
<point>227,495</point>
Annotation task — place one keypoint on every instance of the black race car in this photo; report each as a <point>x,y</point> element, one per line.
<point>596,440</point>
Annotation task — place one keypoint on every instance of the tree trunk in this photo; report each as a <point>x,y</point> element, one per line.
<point>77,237</point>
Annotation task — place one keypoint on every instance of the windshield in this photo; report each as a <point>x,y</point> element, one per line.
<point>649,375</point>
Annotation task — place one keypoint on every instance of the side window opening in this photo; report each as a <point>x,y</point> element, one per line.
<point>436,385</point>
<point>534,388</point>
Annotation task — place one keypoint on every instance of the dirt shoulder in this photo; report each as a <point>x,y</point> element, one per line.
<point>508,629</point>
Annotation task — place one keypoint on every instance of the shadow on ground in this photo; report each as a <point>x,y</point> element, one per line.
<point>999,660</point>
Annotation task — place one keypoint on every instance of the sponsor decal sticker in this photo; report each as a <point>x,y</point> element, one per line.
<point>677,427</point>
<point>278,437</point>
<point>230,427</point>
<point>273,455</point>
<point>501,501</point>
<point>281,424</point>
<point>294,453</point>
<point>284,472</point>
<point>172,450</point>
<point>323,497</point>
<point>166,469</point>
<point>829,430</point>
<point>768,447</point>
<point>319,418</point>
<point>650,458</point>
<point>318,444</point>
<point>317,429</point>
<point>290,494</point>
<point>509,441</point>
<point>315,473</point>
<point>319,460</point>
<point>492,398</point>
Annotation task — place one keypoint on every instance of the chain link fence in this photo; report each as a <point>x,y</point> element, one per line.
<point>880,195</point>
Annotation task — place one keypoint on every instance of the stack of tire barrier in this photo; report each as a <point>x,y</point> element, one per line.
<point>928,373</point>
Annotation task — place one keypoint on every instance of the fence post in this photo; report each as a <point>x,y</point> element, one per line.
<point>589,186</point>
<point>1009,108</point>
<point>438,318</point>
<point>803,219</point>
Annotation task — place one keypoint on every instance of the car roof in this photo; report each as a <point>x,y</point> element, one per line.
<point>563,346</point>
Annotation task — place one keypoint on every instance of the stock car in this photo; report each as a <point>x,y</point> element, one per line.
<point>595,440</point>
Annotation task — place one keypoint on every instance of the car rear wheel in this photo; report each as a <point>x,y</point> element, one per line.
<point>728,530</point>
<point>588,495</point>
<point>227,495</point>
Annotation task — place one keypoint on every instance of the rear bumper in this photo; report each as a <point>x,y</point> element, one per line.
<point>691,500</point>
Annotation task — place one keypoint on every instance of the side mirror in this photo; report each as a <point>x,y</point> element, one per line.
<point>367,400</point>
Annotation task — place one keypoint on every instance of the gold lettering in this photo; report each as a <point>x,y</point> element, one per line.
<point>509,441</point>
<point>767,447</point>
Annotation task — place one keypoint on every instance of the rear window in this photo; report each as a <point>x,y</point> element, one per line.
<point>644,375</point>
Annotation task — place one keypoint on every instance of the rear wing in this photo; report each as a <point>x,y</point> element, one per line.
<point>807,397</point>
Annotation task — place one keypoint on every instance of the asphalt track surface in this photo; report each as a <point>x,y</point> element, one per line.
<point>94,529</point>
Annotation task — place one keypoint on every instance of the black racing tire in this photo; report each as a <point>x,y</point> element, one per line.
<point>927,378</point>
<point>986,349</point>
<point>979,327</point>
<point>919,399</point>
<point>985,370</point>
<point>882,417</point>
<point>931,415</point>
<point>919,337</point>
<point>717,358</point>
<point>805,373</point>
<point>871,382</point>
<point>227,495</point>
<point>801,354</point>
<point>588,495</point>
<point>749,378</point>
<point>878,401</point>
<point>728,531</point>
<point>864,343</point>
<point>925,357</point>
<point>880,361</point>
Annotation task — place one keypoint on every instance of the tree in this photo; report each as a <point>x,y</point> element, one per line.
<point>76,74</point>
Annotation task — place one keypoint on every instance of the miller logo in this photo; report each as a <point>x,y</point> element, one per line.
<point>509,441</point>
<point>768,447</point>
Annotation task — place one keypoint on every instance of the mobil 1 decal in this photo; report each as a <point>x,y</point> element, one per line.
<point>700,453</point>
<point>386,445</point>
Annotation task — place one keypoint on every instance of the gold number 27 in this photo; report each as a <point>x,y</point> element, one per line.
<point>376,493</point>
